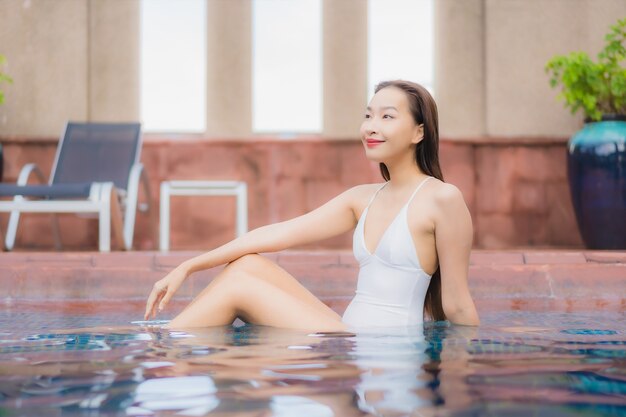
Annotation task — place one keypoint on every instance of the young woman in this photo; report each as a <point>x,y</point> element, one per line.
<point>412,239</point>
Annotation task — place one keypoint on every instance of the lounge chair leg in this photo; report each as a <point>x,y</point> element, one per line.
<point>14,219</point>
<point>117,222</point>
<point>104,229</point>
<point>136,179</point>
<point>56,232</point>
<point>104,218</point>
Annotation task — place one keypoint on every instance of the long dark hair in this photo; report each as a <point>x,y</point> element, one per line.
<point>424,110</point>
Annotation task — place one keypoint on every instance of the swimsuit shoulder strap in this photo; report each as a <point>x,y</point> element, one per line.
<point>417,189</point>
<point>376,193</point>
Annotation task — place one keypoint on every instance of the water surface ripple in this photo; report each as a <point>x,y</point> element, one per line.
<point>515,363</point>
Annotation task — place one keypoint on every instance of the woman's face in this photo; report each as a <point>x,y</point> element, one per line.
<point>388,129</point>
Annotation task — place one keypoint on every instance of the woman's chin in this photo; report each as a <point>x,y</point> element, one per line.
<point>373,157</point>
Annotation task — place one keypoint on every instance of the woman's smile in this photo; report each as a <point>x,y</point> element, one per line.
<point>372,143</point>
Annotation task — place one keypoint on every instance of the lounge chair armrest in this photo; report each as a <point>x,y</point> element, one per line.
<point>26,171</point>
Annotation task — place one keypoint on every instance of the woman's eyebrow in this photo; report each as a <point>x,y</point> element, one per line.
<point>383,108</point>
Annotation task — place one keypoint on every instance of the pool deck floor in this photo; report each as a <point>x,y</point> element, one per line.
<point>564,280</point>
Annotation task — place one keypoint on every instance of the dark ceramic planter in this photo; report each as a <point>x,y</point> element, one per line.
<point>596,167</point>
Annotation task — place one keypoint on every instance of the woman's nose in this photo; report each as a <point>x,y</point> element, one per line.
<point>369,127</point>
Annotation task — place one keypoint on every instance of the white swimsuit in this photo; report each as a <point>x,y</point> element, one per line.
<point>392,285</point>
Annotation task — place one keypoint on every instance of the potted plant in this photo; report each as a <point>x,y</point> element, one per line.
<point>596,161</point>
<point>4,78</point>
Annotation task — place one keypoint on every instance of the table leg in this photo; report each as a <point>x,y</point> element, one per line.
<point>164,218</point>
<point>242,210</point>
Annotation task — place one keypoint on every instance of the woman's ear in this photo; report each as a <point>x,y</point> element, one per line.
<point>419,134</point>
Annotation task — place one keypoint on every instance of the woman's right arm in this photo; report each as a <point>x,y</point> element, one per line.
<point>331,219</point>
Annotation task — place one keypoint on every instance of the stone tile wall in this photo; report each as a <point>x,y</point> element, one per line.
<point>516,189</point>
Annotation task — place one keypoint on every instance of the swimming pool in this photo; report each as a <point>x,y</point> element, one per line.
<point>86,360</point>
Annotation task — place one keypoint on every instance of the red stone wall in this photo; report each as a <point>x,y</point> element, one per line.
<point>516,189</point>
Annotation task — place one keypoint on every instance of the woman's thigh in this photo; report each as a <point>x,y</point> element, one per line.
<point>260,302</point>
<point>259,291</point>
<point>268,271</point>
<point>255,301</point>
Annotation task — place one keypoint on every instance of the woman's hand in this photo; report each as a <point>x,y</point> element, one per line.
<point>163,290</point>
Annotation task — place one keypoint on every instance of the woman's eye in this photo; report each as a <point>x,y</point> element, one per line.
<point>367,116</point>
<point>387,116</point>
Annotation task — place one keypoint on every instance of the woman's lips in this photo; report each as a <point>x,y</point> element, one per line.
<point>373,142</point>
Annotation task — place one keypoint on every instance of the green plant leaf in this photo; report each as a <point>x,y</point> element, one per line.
<point>596,87</point>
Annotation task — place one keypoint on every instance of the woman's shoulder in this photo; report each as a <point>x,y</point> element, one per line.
<point>363,189</point>
<point>447,197</point>
<point>444,191</point>
<point>444,194</point>
<point>362,193</point>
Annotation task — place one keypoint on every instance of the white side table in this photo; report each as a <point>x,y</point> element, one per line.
<point>201,188</point>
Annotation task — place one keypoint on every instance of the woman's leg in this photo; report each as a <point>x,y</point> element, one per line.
<point>260,292</point>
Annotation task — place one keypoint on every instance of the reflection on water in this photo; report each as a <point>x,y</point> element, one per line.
<point>514,364</point>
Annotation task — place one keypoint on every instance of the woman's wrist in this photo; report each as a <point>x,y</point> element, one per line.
<point>186,267</point>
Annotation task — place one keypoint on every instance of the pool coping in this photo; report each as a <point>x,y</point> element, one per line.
<point>561,276</point>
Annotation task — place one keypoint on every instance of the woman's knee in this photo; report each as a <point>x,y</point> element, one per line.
<point>236,271</point>
<point>249,262</point>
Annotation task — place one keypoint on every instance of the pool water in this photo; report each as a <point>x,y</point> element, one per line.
<point>517,363</point>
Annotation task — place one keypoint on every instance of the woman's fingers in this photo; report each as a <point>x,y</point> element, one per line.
<point>162,292</point>
<point>166,299</point>
<point>154,311</point>
<point>152,300</point>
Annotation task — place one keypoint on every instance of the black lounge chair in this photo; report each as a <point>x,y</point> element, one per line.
<point>96,170</point>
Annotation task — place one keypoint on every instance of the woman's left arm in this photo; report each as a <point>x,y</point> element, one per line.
<point>453,237</point>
